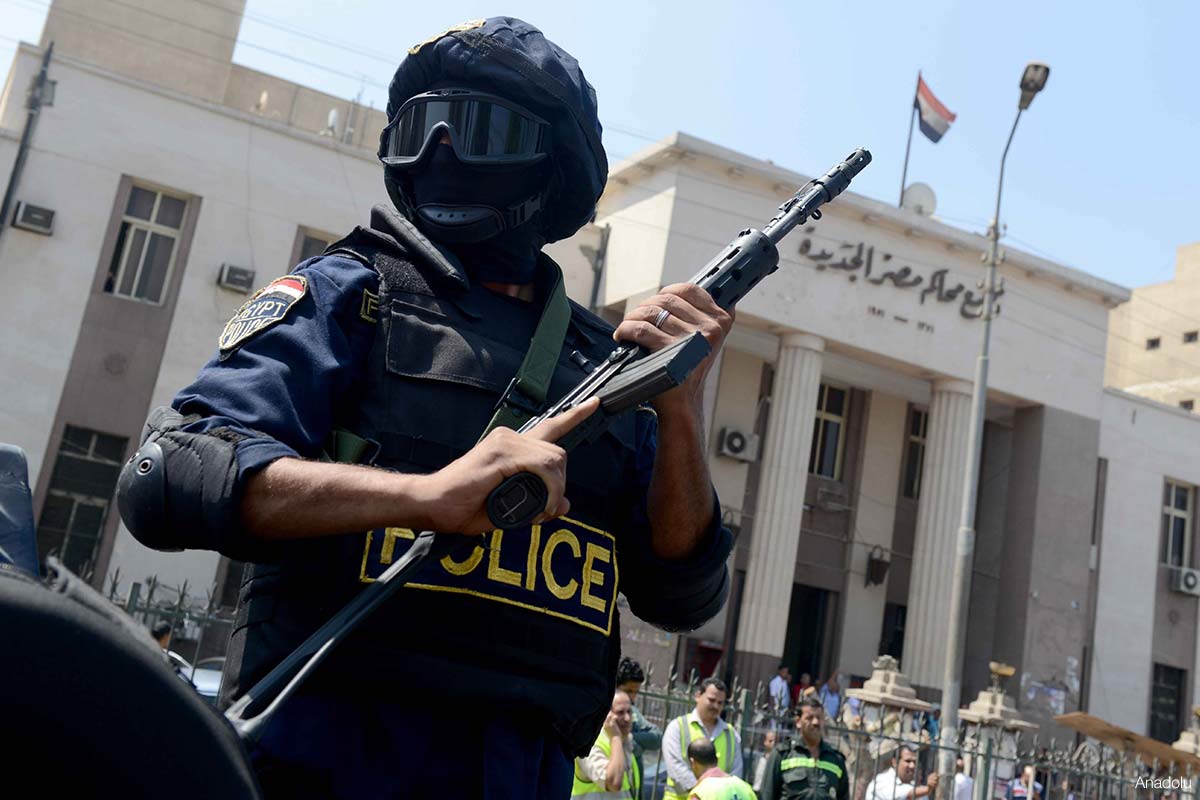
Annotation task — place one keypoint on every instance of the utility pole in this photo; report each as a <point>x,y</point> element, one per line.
<point>1032,82</point>
<point>34,105</point>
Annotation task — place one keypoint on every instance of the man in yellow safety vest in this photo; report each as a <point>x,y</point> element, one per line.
<point>610,771</point>
<point>703,722</point>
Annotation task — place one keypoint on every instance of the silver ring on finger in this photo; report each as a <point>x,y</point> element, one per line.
<point>661,318</point>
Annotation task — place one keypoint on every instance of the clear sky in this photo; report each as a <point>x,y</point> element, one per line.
<point>1103,175</point>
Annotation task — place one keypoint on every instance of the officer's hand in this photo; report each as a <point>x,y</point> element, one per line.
<point>691,309</point>
<point>456,495</point>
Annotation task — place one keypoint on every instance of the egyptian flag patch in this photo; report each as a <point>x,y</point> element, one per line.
<point>268,306</point>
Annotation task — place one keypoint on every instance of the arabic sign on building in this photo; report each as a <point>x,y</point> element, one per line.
<point>861,260</point>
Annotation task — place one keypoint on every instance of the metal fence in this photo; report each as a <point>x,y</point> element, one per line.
<point>1072,769</point>
<point>1075,769</point>
<point>199,626</point>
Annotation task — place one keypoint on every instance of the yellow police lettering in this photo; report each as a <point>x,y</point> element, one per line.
<point>592,577</point>
<point>388,548</point>
<point>496,572</point>
<point>466,567</point>
<point>535,537</point>
<point>561,591</point>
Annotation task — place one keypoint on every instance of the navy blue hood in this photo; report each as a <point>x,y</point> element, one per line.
<point>511,58</point>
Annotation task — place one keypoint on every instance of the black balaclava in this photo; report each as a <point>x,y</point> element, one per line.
<point>470,211</point>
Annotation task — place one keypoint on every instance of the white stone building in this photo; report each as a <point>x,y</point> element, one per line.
<point>846,380</point>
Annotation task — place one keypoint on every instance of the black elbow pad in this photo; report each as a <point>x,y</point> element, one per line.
<point>179,490</point>
<point>686,610</point>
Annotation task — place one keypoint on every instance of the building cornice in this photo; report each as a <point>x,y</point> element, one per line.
<point>1155,404</point>
<point>680,145</point>
<point>247,117</point>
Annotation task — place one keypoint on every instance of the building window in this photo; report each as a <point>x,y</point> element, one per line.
<point>825,459</point>
<point>146,245</point>
<point>1187,405</point>
<point>1189,337</point>
<point>914,456</point>
<point>1153,344</point>
<point>310,243</point>
<point>1166,703</point>
<point>1178,501</point>
<point>77,500</point>
<point>891,640</point>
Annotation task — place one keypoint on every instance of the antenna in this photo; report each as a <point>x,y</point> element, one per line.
<point>331,123</point>
<point>261,105</point>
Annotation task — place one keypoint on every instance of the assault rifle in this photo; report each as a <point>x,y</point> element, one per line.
<point>631,375</point>
<point>628,377</point>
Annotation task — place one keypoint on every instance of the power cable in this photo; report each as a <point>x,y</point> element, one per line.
<point>172,45</point>
<point>349,47</point>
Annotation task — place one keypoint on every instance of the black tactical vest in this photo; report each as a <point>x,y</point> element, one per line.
<point>514,622</point>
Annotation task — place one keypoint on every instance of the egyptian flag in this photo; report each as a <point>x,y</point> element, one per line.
<point>935,117</point>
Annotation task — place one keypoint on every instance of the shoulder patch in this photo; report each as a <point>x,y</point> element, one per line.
<point>462,26</point>
<point>369,310</point>
<point>268,306</point>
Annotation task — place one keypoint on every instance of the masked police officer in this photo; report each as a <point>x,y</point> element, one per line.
<point>396,350</point>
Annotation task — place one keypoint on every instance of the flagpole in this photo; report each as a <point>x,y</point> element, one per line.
<point>911,119</point>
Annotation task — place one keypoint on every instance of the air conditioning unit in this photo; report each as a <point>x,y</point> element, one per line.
<point>33,218</point>
<point>1185,580</point>
<point>238,279</point>
<point>832,500</point>
<point>738,444</point>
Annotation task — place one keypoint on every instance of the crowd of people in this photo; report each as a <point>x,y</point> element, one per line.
<point>784,693</point>
<point>701,756</point>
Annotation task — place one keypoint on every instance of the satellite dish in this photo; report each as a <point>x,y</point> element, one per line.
<point>920,199</point>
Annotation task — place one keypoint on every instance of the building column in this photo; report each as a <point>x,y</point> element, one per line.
<point>767,594</point>
<point>939,513</point>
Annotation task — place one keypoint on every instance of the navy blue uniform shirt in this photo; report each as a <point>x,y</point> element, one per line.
<point>283,388</point>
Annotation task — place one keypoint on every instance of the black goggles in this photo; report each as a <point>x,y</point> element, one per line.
<point>483,129</point>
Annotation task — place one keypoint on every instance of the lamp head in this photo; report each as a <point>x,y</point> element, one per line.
<point>1032,81</point>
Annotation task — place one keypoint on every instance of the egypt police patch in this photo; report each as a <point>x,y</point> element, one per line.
<point>264,309</point>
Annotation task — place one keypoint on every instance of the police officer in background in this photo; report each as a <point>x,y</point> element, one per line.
<point>396,349</point>
<point>805,766</point>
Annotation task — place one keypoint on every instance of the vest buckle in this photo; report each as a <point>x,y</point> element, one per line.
<point>514,397</point>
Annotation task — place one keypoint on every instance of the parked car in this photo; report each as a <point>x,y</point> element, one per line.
<point>204,675</point>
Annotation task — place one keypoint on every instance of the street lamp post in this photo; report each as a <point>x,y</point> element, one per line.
<point>1032,81</point>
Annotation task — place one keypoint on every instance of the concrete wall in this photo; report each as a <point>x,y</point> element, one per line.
<point>177,44</point>
<point>1041,624</point>
<point>300,107</point>
<point>640,215</point>
<point>1171,372</point>
<point>576,256</point>
<point>1144,443</point>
